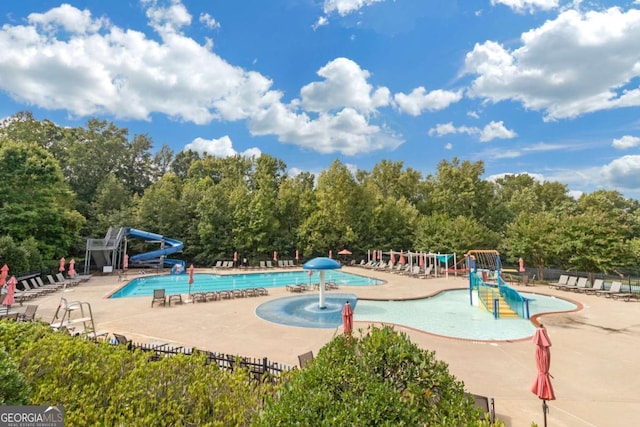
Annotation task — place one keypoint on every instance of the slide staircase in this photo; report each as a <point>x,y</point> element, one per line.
<point>502,301</point>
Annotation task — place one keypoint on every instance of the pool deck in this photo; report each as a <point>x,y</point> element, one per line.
<point>594,357</point>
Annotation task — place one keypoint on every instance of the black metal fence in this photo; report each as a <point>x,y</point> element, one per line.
<point>260,369</point>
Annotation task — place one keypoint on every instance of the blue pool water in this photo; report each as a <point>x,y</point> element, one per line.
<point>179,284</point>
<point>448,314</point>
<point>304,310</point>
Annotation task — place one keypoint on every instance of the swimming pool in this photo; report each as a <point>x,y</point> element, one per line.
<point>450,314</point>
<point>179,284</point>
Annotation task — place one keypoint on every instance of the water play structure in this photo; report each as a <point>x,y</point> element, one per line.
<point>488,289</point>
<point>109,253</point>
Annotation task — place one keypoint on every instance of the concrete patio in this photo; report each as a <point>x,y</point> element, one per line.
<point>594,353</point>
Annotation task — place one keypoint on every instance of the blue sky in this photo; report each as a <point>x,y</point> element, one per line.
<point>545,87</point>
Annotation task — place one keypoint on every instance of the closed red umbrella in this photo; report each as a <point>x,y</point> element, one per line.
<point>330,253</point>
<point>347,319</point>
<point>521,265</point>
<point>297,255</point>
<point>191,270</point>
<point>9,299</point>
<point>62,261</point>
<point>542,385</point>
<point>402,259</point>
<point>125,264</point>
<point>392,259</point>
<point>421,260</point>
<point>275,256</point>
<point>4,272</point>
<point>72,268</point>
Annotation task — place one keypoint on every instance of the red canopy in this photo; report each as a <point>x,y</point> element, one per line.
<point>344,252</point>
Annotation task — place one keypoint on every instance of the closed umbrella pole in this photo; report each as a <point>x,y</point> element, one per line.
<point>542,385</point>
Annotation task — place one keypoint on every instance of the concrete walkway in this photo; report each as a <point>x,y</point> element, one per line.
<point>594,354</point>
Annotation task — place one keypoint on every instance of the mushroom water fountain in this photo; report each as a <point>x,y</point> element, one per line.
<point>321,264</point>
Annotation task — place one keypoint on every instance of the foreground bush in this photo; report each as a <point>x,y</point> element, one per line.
<point>379,379</point>
<point>102,384</point>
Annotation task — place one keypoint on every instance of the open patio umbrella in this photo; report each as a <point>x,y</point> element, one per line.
<point>321,264</point>
<point>61,268</point>
<point>344,252</point>
<point>72,268</point>
<point>4,272</point>
<point>542,385</point>
<point>347,319</point>
<point>9,299</point>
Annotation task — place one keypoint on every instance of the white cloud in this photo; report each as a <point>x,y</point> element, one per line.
<point>448,146</point>
<point>348,131</point>
<point>323,20</point>
<point>530,6</point>
<point>491,131</point>
<point>572,65</point>
<point>623,172</point>
<point>625,142</point>
<point>345,85</point>
<point>97,68</point>
<point>345,7</point>
<point>419,100</point>
<point>496,130</point>
<point>221,147</point>
<point>209,21</point>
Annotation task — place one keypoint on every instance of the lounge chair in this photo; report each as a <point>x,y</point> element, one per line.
<point>42,285</point>
<point>29,314</point>
<point>570,283</point>
<point>159,297</point>
<point>176,298</point>
<point>294,288</point>
<point>305,359</point>
<point>218,264</point>
<point>269,265</point>
<point>487,405</point>
<point>263,264</point>
<point>562,281</point>
<point>26,289</point>
<point>598,285</point>
<point>580,284</point>
<point>614,289</point>
<point>62,279</point>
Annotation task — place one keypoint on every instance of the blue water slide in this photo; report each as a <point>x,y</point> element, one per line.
<point>171,246</point>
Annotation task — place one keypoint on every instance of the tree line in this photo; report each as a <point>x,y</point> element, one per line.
<point>60,185</point>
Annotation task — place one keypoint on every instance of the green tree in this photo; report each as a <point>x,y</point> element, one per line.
<point>534,237</point>
<point>35,202</point>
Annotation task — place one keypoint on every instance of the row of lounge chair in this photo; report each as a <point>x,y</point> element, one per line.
<point>161,298</point>
<point>398,268</point>
<point>34,287</point>
<point>301,287</point>
<point>580,284</point>
<point>288,263</point>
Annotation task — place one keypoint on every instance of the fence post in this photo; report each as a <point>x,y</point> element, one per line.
<point>496,308</point>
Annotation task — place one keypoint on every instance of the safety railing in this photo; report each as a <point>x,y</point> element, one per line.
<point>517,302</point>
<point>488,295</point>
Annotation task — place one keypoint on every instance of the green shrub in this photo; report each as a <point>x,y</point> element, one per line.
<point>103,384</point>
<point>379,379</point>
<point>13,387</point>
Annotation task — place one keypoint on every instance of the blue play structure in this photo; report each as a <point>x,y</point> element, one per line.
<point>108,253</point>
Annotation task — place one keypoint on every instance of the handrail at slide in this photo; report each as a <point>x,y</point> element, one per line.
<point>517,302</point>
<point>486,294</point>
